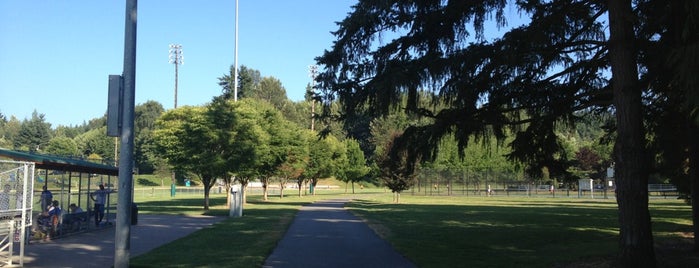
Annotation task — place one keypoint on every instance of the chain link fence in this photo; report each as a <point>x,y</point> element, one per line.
<point>433,182</point>
<point>16,199</point>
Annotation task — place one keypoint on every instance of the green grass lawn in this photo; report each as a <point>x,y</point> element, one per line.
<point>489,232</point>
<point>429,230</point>
<point>234,242</point>
<point>515,231</point>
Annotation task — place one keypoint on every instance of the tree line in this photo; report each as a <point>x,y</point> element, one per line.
<point>265,137</point>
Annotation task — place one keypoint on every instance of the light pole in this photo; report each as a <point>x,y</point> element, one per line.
<point>235,61</point>
<point>313,72</point>
<point>176,58</point>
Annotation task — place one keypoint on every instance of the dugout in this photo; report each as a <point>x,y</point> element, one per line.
<point>70,180</point>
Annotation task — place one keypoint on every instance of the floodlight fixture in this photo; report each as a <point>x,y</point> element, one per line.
<point>176,58</point>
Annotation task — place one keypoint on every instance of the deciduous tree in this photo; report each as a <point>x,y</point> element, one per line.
<point>189,140</point>
<point>355,168</point>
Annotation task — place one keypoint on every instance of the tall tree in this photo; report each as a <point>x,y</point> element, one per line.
<point>325,155</point>
<point>248,80</point>
<point>674,104</point>
<point>271,90</point>
<point>397,170</point>
<point>10,131</point>
<point>145,116</point>
<point>63,146</point>
<point>34,134</point>
<point>355,168</point>
<point>287,150</point>
<point>532,79</point>
<point>635,235</point>
<point>250,143</point>
<point>96,142</point>
<point>189,140</point>
<point>4,142</point>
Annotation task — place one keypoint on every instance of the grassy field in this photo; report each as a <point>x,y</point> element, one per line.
<point>508,232</point>
<point>434,231</point>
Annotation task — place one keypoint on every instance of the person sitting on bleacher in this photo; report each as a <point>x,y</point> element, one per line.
<point>54,213</point>
<point>74,208</point>
<point>48,220</point>
<point>73,221</point>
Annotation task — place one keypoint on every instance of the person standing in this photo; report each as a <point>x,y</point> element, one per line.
<point>46,199</point>
<point>100,198</point>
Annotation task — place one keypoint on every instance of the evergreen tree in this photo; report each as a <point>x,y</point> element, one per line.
<point>34,134</point>
<point>530,81</point>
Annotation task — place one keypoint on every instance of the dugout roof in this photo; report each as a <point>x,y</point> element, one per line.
<point>51,162</point>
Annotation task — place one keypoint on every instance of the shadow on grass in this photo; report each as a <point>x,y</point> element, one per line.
<point>185,206</point>
<point>234,242</point>
<point>501,233</point>
<point>146,182</point>
<point>239,242</point>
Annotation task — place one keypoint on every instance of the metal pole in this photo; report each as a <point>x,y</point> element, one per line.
<point>313,72</point>
<point>177,59</point>
<point>122,242</point>
<point>235,61</point>
<point>176,76</point>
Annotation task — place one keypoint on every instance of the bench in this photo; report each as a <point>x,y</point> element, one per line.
<point>73,222</point>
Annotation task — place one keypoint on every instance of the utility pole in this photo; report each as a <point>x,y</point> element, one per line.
<point>122,242</point>
<point>176,58</point>
<point>313,73</point>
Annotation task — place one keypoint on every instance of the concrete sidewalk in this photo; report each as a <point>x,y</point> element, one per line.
<point>96,248</point>
<point>325,234</point>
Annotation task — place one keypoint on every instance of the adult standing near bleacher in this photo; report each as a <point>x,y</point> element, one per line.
<point>46,199</point>
<point>100,198</point>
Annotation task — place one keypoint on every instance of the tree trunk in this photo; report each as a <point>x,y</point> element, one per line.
<point>635,235</point>
<point>282,184</point>
<point>694,181</point>
<point>207,190</point>
<point>244,189</point>
<point>264,192</point>
<point>314,183</point>
<point>299,182</point>
<point>228,193</point>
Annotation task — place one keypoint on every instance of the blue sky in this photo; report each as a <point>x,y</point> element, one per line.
<point>55,56</point>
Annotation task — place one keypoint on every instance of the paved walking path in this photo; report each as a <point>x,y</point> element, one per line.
<point>325,234</point>
<point>96,248</point>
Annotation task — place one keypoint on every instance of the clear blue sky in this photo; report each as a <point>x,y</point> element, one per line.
<point>55,56</point>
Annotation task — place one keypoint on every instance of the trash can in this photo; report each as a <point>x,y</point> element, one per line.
<point>134,214</point>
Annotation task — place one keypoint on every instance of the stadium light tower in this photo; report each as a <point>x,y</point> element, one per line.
<point>313,73</point>
<point>176,58</point>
